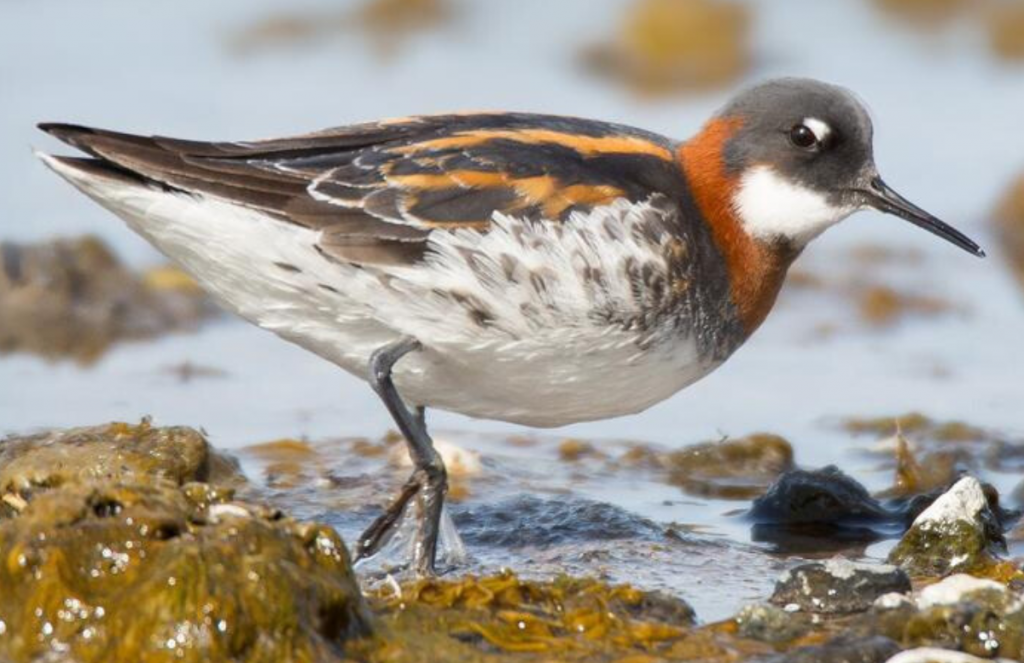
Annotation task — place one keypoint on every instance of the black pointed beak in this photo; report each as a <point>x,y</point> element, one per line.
<point>880,196</point>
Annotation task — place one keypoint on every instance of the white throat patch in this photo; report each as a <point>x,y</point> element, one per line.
<point>770,206</point>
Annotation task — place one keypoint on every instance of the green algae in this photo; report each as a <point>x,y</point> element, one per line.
<point>507,618</point>
<point>959,545</point>
<point>740,468</point>
<point>959,531</point>
<point>121,550</point>
<point>921,426</point>
<point>116,452</point>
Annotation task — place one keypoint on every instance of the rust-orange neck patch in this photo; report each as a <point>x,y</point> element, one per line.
<point>756,268</point>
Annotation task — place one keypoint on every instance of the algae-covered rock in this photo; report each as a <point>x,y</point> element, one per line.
<point>958,531</point>
<point>675,45</point>
<point>974,615</point>
<point>116,549</point>
<point>119,453</point>
<point>769,623</point>
<point>843,649</point>
<point>739,468</point>
<point>1009,218</point>
<point>74,298</point>
<point>838,585</point>
<point>505,617</point>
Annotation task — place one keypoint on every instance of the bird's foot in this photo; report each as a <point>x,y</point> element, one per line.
<point>428,485</point>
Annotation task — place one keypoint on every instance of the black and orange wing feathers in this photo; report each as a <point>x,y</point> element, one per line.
<point>378,190</point>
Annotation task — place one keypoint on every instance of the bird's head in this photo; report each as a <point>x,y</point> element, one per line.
<point>798,156</point>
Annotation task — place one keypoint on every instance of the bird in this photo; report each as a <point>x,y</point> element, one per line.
<point>535,269</point>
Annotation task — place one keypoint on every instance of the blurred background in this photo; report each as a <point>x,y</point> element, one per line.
<point>878,318</point>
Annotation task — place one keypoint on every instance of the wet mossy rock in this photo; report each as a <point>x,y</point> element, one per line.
<point>114,548</point>
<point>508,618</point>
<point>957,532</point>
<point>842,649</point>
<point>838,585</point>
<point>739,468</point>
<point>973,615</point>
<point>118,452</point>
<point>72,298</point>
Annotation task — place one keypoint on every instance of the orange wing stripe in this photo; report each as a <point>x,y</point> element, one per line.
<point>585,145</point>
<point>542,190</point>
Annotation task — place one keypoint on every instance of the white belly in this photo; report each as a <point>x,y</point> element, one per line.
<point>538,360</point>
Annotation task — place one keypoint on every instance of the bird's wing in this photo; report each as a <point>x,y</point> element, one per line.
<point>378,190</point>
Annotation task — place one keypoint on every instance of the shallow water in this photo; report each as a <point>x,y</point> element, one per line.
<point>947,136</point>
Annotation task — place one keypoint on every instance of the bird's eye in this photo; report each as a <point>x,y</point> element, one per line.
<point>802,136</point>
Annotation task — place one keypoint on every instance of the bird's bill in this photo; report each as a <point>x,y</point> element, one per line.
<point>880,196</point>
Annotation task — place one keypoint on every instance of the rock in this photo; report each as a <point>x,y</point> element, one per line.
<point>768,623</point>
<point>817,496</point>
<point>739,468</point>
<point>1010,225</point>
<point>957,588</point>
<point>666,46</point>
<point>819,510</point>
<point>958,531</point>
<point>73,298</point>
<point>838,585</point>
<point>525,521</point>
<point>505,617</point>
<point>974,615</point>
<point>935,655</point>
<point>116,548</point>
<point>910,509</point>
<point>844,649</point>
<point>459,462</point>
<point>921,428</point>
<point>892,601</point>
<point>1005,26</point>
<point>117,453</point>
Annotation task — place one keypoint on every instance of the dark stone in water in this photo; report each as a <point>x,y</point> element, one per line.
<point>825,510</point>
<point>819,511</point>
<point>526,520</point>
<point>844,649</point>
<point>838,585</point>
<point>817,496</point>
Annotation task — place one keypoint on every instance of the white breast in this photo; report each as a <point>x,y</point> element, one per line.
<point>513,324</point>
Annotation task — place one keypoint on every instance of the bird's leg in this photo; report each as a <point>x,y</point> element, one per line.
<point>429,480</point>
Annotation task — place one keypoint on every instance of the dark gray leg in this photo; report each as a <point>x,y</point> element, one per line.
<point>429,480</point>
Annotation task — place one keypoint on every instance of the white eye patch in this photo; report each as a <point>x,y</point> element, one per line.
<point>820,129</point>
